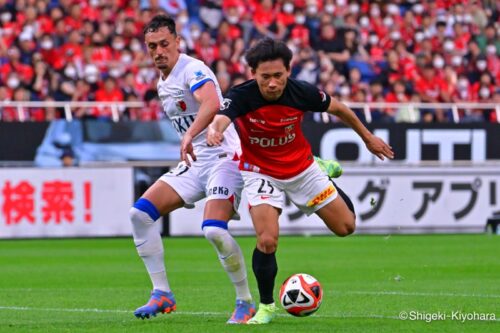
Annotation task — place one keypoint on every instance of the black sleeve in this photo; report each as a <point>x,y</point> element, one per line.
<point>314,99</point>
<point>231,106</point>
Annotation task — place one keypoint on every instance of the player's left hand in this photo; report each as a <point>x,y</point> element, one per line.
<point>187,149</point>
<point>214,137</point>
<point>379,148</point>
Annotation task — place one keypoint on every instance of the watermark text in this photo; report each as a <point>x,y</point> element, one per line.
<point>460,316</point>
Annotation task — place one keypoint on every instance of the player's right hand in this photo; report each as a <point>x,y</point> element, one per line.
<point>214,137</point>
<point>187,149</point>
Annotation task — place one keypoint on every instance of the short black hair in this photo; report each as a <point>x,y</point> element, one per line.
<point>268,49</point>
<point>160,21</point>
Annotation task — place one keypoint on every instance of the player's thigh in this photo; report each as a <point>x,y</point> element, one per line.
<point>185,182</point>
<point>338,217</point>
<point>266,199</point>
<point>223,190</point>
<point>218,209</point>
<point>163,197</point>
<point>261,189</point>
<point>311,190</point>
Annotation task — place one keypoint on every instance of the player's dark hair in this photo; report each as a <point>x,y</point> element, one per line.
<point>268,49</point>
<point>160,21</point>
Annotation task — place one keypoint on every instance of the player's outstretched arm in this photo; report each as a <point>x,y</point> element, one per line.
<point>209,106</point>
<point>375,145</point>
<point>216,129</point>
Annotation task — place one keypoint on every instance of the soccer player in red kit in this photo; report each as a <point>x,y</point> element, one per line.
<point>277,159</point>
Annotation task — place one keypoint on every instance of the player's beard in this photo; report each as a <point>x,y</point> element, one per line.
<point>162,64</point>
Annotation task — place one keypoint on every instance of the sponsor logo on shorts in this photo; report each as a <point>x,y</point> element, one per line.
<point>325,194</point>
<point>218,190</point>
<point>265,197</point>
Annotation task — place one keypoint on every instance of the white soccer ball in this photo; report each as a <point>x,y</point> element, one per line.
<point>301,295</point>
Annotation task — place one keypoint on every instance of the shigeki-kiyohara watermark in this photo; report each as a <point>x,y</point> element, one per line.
<point>460,316</point>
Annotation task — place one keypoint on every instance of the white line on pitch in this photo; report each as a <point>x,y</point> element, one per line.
<point>190,313</point>
<point>404,293</point>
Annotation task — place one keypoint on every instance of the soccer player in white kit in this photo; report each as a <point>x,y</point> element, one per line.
<point>190,95</point>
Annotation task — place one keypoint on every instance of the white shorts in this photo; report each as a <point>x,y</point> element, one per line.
<point>219,179</point>
<point>309,191</point>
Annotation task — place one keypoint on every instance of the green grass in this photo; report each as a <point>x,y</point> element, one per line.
<point>93,285</point>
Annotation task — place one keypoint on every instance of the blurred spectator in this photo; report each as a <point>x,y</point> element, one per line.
<point>475,61</point>
<point>14,65</point>
<point>462,91</point>
<point>265,23</point>
<point>489,37</point>
<point>224,80</point>
<point>67,154</point>
<point>40,84</point>
<point>441,50</point>
<point>398,94</point>
<point>82,93</point>
<point>171,7</point>
<point>109,92</point>
<point>429,85</point>
<point>6,113</point>
<point>211,13</point>
<point>68,157</point>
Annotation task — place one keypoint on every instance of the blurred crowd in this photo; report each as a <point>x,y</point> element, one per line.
<point>439,51</point>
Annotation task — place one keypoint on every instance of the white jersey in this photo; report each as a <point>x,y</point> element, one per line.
<point>178,102</point>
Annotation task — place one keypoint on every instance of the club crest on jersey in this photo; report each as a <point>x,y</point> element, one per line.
<point>290,128</point>
<point>325,194</point>
<point>199,75</point>
<point>181,106</point>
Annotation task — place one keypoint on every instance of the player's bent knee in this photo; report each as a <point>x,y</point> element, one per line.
<point>267,243</point>
<point>146,238</point>
<point>212,229</point>
<point>143,212</point>
<point>346,228</point>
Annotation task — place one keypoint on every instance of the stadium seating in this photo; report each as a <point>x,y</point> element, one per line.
<point>72,50</point>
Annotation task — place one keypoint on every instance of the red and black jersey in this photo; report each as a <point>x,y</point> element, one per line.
<point>271,136</point>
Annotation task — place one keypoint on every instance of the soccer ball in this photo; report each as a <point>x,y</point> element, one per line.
<point>301,295</point>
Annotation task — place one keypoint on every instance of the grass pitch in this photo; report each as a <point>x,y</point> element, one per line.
<point>93,285</point>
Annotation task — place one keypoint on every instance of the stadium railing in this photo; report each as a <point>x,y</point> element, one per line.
<point>412,109</point>
<point>69,106</point>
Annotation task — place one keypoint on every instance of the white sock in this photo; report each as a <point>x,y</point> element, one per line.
<point>231,259</point>
<point>160,281</point>
<point>149,245</point>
